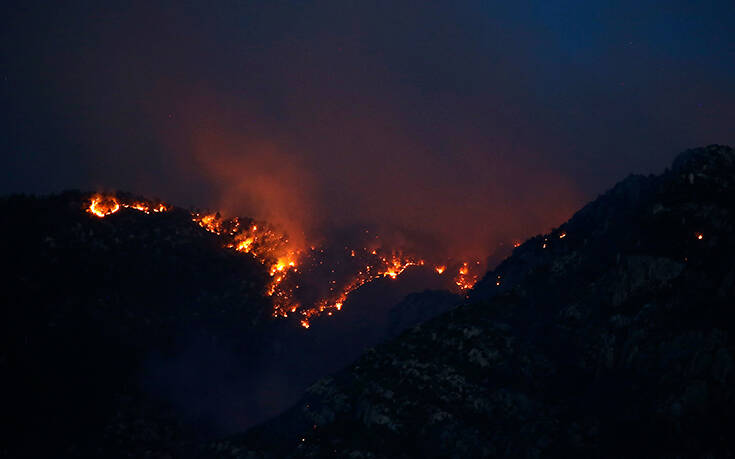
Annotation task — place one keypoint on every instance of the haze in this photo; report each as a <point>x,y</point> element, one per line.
<point>462,125</point>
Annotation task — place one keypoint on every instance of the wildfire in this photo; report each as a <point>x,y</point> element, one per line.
<point>378,267</point>
<point>465,280</point>
<point>266,245</point>
<point>102,206</point>
<point>395,266</point>
<point>210,222</point>
<point>283,262</point>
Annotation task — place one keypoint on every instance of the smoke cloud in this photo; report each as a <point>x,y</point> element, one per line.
<point>454,128</point>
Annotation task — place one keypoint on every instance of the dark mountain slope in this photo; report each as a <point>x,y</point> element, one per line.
<point>612,336</point>
<point>88,302</point>
<point>139,335</point>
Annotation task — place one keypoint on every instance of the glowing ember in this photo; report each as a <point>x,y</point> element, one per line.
<point>700,236</point>
<point>210,222</point>
<point>102,206</point>
<point>283,262</point>
<point>384,267</point>
<point>465,280</point>
<point>145,208</point>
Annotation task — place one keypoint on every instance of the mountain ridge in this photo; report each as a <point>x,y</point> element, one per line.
<point>610,336</point>
<point>140,335</point>
<point>137,331</point>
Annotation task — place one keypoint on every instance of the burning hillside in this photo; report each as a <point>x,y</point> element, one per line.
<point>102,206</point>
<point>308,282</point>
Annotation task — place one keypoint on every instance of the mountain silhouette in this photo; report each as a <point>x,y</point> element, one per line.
<point>611,336</point>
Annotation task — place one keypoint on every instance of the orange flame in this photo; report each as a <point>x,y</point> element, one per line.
<point>103,206</point>
<point>464,279</point>
<point>272,249</point>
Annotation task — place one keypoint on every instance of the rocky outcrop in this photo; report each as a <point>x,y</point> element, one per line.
<point>611,336</point>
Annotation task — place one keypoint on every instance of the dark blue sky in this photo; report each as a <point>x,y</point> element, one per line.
<point>475,121</point>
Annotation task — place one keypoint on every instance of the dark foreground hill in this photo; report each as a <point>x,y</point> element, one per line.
<point>89,303</point>
<point>612,336</point>
<point>139,335</point>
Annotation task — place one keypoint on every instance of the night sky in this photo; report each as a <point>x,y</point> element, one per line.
<point>467,123</point>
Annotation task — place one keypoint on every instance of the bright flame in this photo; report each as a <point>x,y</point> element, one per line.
<point>464,279</point>
<point>103,206</point>
<point>210,222</point>
<point>272,249</point>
